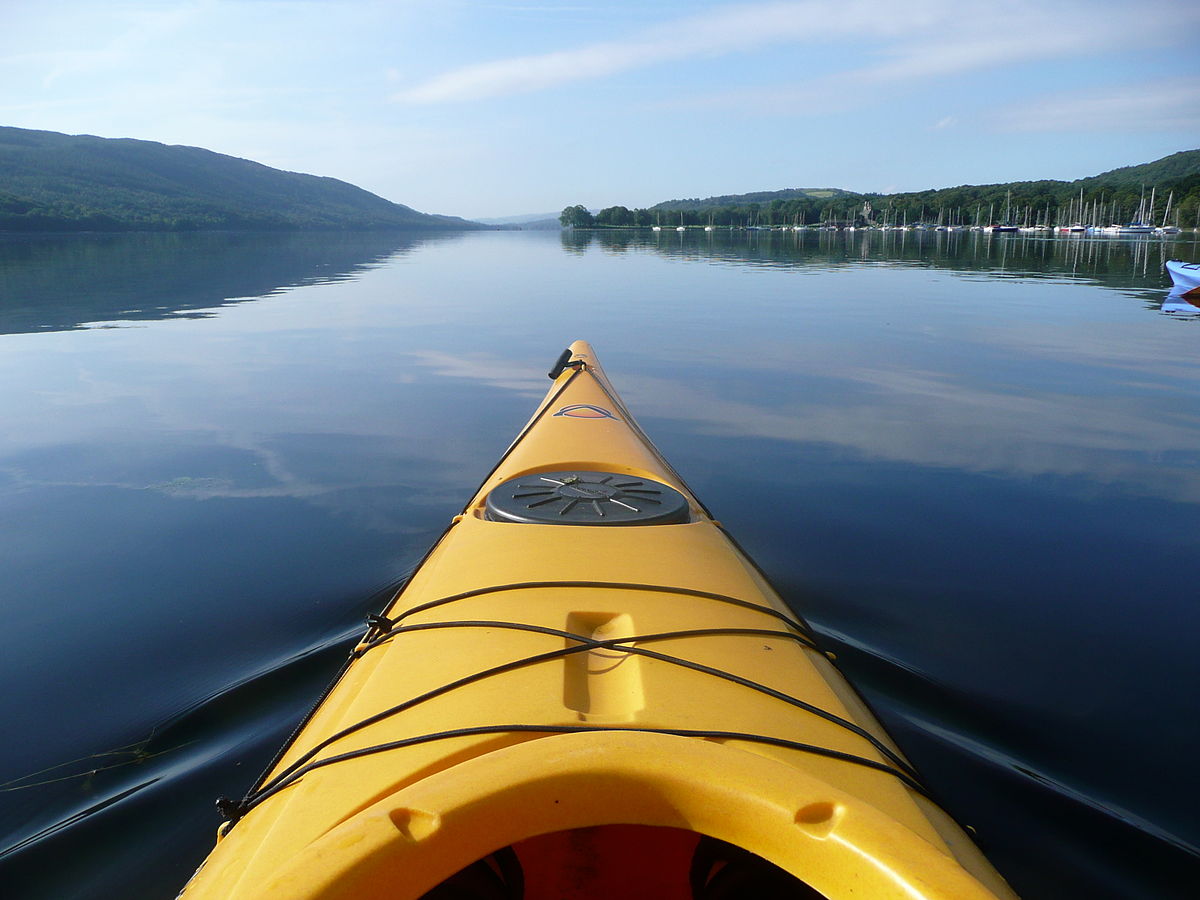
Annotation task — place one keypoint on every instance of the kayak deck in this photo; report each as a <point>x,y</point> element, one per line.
<point>549,710</point>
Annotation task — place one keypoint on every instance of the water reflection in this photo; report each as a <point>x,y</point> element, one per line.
<point>1125,263</point>
<point>971,461</point>
<point>57,282</point>
<point>1176,304</point>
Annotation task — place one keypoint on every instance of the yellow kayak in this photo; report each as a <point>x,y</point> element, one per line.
<point>587,690</point>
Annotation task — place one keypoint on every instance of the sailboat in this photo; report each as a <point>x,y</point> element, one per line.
<point>1006,225</point>
<point>1165,228</point>
<point>1139,226</point>
<point>1077,226</point>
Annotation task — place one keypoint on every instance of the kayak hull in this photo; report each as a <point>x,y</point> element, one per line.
<point>430,832</point>
<point>639,691</point>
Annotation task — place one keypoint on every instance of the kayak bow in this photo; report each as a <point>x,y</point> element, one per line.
<point>587,690</point>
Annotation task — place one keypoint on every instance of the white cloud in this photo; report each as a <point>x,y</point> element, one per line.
<point>725,30</point>
<point>967,37</point>
<point>980,41</point>
<point>1163,106</point>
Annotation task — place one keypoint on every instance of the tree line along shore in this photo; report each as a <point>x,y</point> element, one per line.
<point>1165,192</point>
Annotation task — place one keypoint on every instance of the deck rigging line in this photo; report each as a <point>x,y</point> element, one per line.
<point>234,810</point>
<point>383,628</point>
<point>617,585</point>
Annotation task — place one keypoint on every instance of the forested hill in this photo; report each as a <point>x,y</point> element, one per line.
<point>1180,165</point>
<point>1113,196</point>
<point>755,197</point>
<point>58,182</point>
<point>1118,192</point>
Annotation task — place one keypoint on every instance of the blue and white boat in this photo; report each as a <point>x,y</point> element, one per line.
<point>1185,277</point>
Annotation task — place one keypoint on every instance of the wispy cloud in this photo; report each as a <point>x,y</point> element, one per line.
<point>985,40</point>
<point>1166,106</point>
<point>722,31</point>
<point>137,31</point>
<point>894,42</point>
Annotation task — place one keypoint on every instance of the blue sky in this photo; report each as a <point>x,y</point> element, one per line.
<point>494,108</point>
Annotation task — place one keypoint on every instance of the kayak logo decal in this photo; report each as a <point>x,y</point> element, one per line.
<point>585,411</point>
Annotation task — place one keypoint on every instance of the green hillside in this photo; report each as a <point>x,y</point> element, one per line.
<point>755,197</point>
<point>1112,196</point>
<point>58,182</point>
<point>1180,165</point>
<point>1109,197</point>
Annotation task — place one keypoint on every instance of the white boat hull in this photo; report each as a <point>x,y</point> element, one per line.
<point>1185,277</point>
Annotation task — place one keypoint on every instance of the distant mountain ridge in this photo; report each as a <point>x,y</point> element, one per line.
<point>58,182</point>
<point>518,220</point>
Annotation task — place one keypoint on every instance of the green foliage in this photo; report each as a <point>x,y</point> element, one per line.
<point>615,215</point>
<point>576,217</point>
<point>756,197</point>
<point>1110,197</point>
<point>1177,165</point>
<point>56,182</point>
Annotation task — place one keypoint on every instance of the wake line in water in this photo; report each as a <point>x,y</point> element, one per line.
<point>196,737</point>
<point>996,757</point>
<point>904,685</point>
<point>73,818</point>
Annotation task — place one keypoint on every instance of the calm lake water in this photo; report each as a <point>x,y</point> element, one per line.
<point>973,462</point>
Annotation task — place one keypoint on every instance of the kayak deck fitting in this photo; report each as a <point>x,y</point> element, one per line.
<point>587,690</point>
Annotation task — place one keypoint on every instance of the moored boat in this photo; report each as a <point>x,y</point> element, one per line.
<point>1185,278</point>
<point>585,690</point>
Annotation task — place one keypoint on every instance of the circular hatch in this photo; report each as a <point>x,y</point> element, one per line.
<point>586,498</point>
